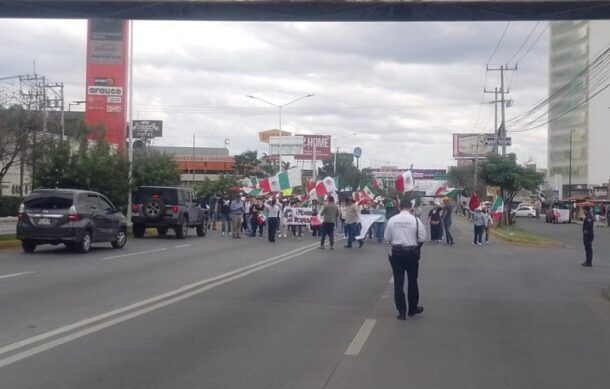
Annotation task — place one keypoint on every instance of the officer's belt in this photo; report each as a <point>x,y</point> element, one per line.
<point>398,247</point>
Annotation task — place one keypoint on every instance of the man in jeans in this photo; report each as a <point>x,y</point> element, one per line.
<point>237,214</point>
<point>352,217</point>
<point>329,213</point>
<point>447,220</point>
<point>480,220</point>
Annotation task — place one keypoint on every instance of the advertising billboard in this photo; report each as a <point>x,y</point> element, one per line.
<point>470,145</point>
<point>107,59</point>
<point>147,128</point>
<point>321,144</point>
<point>265,136</point>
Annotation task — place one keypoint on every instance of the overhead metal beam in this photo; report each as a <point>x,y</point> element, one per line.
<point>312,10</point>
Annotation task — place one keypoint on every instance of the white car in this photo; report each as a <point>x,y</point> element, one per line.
<point>525,211</point>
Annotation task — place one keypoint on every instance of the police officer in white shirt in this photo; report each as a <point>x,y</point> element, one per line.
<point>406,233</point>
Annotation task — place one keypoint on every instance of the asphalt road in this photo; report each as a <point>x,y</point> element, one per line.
<point>571,236</point>
<point>221,313</point>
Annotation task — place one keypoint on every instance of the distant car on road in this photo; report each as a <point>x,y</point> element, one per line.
<point>525,211</point>
<point>163,207</point>
<point>73,217</point>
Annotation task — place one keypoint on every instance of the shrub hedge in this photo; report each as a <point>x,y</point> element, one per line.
<point>9,205</point>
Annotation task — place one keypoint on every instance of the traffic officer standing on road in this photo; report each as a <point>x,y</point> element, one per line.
<point>587,236</point>
<point>406,233</point>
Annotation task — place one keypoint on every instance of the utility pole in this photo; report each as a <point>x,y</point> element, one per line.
<point>502,129</point>
<point>476,165</point>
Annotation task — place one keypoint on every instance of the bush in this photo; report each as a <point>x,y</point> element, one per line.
<point>9,205</point>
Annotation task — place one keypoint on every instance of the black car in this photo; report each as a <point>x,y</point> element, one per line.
<point>164,207</point>
<point>73,217</point>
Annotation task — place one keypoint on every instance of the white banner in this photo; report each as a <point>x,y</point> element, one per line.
<point>366,221</point>
<point>297,215</point>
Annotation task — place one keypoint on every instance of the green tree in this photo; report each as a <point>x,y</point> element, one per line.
<point>463,177</point>
<point>224,184</point>
<point>246,162</point>
<point>151,167</point>
<point>17,129</point>
<point>348,174</point>
<point>94,166</point>
<point>511,177</point>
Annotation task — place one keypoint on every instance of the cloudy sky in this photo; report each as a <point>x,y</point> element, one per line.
<point>404,88</point>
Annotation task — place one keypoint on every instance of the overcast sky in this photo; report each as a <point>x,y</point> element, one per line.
<point>403,87</point>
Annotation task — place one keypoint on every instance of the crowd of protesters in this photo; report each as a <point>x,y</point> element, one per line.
<point>240,215</point>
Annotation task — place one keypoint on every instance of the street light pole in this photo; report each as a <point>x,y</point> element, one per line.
<point>279,107</point>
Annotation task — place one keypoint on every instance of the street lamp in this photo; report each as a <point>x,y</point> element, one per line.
<point>337,151</point>
<point>279,107</point>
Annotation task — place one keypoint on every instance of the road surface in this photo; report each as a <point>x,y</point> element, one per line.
<point>215,312</point>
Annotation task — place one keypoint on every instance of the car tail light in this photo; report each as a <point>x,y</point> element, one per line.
<point>175,209</point>
<point>21,211</point>
<point>135,208</point>
<point>155,196</point>
<point>72,215</point>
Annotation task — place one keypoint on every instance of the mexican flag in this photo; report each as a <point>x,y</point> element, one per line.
<point>252,192</point>
<point>497,208</point>
<point>254,182</point>
<point>265,186</point>
<point>326,186</point>
<point>369,192</point>
<point>404,182</point>
<point>377,184</point>
<point>289,179</point>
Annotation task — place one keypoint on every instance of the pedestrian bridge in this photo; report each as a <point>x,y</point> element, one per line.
<point>311,10</point>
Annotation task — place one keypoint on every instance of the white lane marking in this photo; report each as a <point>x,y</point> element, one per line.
<point>16,274</point>
<point>212,283</point>
<point>183,245</point>
<point>361,337</point>
<point>133,254</point>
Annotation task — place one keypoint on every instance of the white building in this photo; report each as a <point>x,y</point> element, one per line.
<point>574,46</point>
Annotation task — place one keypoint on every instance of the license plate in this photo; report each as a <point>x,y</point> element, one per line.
<point>44,222</point>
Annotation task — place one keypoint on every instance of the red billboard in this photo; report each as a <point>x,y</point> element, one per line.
<point>321,144</point>
<point>107,59</point>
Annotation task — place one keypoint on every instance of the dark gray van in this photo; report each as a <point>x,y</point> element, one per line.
<point>73,217</point>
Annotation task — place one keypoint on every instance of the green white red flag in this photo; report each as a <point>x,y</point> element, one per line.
<point>497,208</point>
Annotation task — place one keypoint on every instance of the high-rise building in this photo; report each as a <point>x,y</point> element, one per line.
<point>573,109</point>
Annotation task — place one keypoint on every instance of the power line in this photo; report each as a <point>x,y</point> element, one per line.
<point>524,42</point>
<point>499,43</point>
<point>535,42</point>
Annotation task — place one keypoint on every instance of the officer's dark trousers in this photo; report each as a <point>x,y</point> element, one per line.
<point>588,242</point>
<point>405,261</point>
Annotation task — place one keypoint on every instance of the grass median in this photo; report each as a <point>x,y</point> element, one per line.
<point>514,234</point>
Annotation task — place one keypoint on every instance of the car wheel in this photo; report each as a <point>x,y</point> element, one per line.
<point>530,216</point>
<point>162,231</point>
<point>202,229</point>
<point>85,243</point>
<point>28,245</point>
<point>121,240</point>
<point>139,230</point>
<point>183,229</point>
